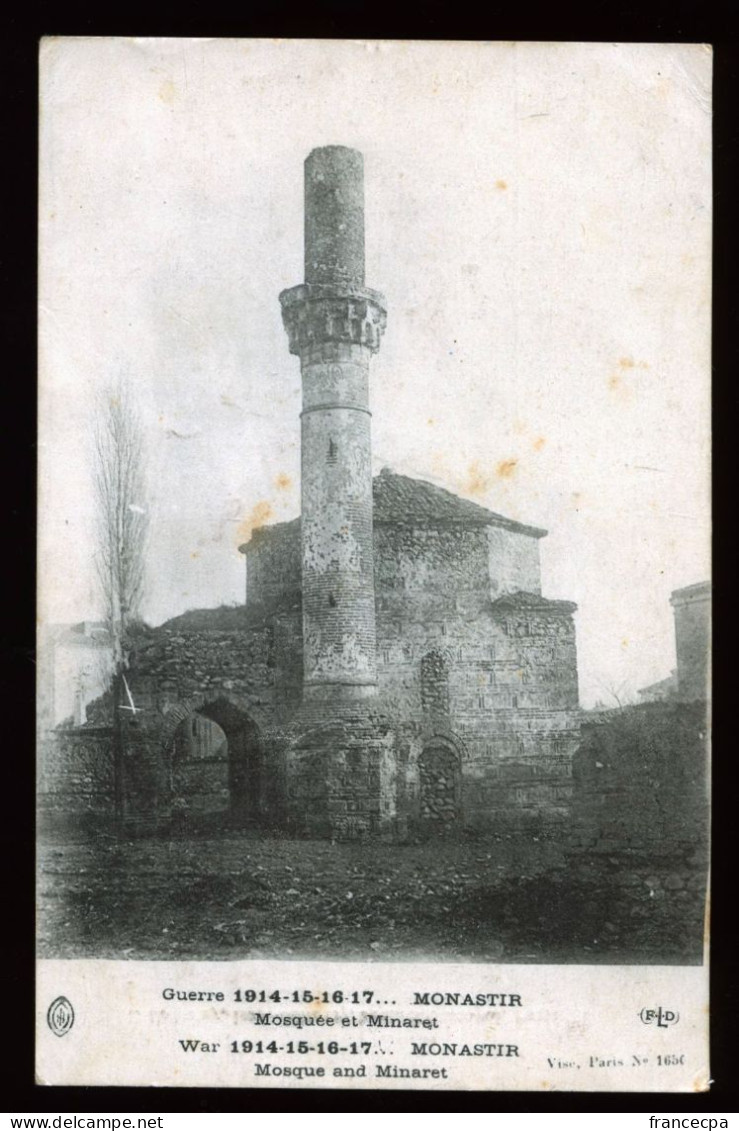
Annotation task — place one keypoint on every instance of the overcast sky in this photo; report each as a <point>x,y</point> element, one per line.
<point>538,217</point>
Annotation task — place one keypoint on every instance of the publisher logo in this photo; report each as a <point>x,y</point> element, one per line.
<point>60,1017</point>
<point>660,1017</point>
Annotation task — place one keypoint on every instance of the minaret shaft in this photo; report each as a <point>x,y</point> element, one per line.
<point>335,324</point>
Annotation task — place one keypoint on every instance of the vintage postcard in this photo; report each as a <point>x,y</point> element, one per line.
<point>374,606</point>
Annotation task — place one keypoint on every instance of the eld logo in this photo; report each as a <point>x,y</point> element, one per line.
<point>659,1016</point>
<point>60,1017</point>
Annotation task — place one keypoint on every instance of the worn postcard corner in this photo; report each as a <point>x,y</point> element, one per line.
<point>374,609</point>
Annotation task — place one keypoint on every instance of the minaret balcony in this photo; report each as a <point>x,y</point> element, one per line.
<point>320,312</point>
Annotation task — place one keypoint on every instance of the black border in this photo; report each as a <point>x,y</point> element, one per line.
<point>680,21</point>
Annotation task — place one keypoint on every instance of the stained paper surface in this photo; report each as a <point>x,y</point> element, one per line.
<point>442,742</point>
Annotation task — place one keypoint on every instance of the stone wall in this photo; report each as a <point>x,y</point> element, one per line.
<point>452,559</point>
<point>641,779</point>
<point>428,574</point>
<point>513,561</point>
<point>500,690</point>
<point>243,678</point>
<point>287,659</point>
<point>75,773</point>
<point>495,681</point>
<point>475,723</point>
<point>283,767</point>
<point>273,568</point>
<point>171,665</point>
<point>341,774</point>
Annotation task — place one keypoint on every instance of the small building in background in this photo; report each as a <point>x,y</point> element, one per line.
<point>687,682</point>
<point>75,662</point>
<point>692,609</point>
<point>658,692</point>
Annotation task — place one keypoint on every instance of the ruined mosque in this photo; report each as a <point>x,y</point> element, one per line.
<point>395,666</point>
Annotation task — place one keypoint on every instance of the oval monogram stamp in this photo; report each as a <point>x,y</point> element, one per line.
<point>60,1017</point>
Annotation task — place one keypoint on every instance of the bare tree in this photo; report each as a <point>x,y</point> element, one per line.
<point>122,527</point>
<point>620,691</point>
<point>120,487</point>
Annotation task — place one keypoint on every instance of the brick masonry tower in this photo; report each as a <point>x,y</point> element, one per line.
<point>334,324</point>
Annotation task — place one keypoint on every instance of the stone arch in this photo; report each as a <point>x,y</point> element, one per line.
<point>240,779</point>
<point>177,712</point>
<point>448,737</point>
<point>440,783</point>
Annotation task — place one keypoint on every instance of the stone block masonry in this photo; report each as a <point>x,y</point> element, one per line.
<point>341,773</point>
<point>490,700</point>
<point>239,676</point>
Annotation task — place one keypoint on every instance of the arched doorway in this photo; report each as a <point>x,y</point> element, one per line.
<point>217,763</point>
<point>439,784</point>
<point>199,779</point>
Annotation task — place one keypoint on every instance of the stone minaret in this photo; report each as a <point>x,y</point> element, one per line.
<point>334,324</point>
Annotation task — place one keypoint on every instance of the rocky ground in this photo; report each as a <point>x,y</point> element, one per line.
<point>501,899</point>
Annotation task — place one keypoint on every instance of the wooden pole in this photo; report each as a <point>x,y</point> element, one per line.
<point>118,752</point>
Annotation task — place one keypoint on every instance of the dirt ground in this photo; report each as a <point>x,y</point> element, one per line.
<point>502,899</point>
